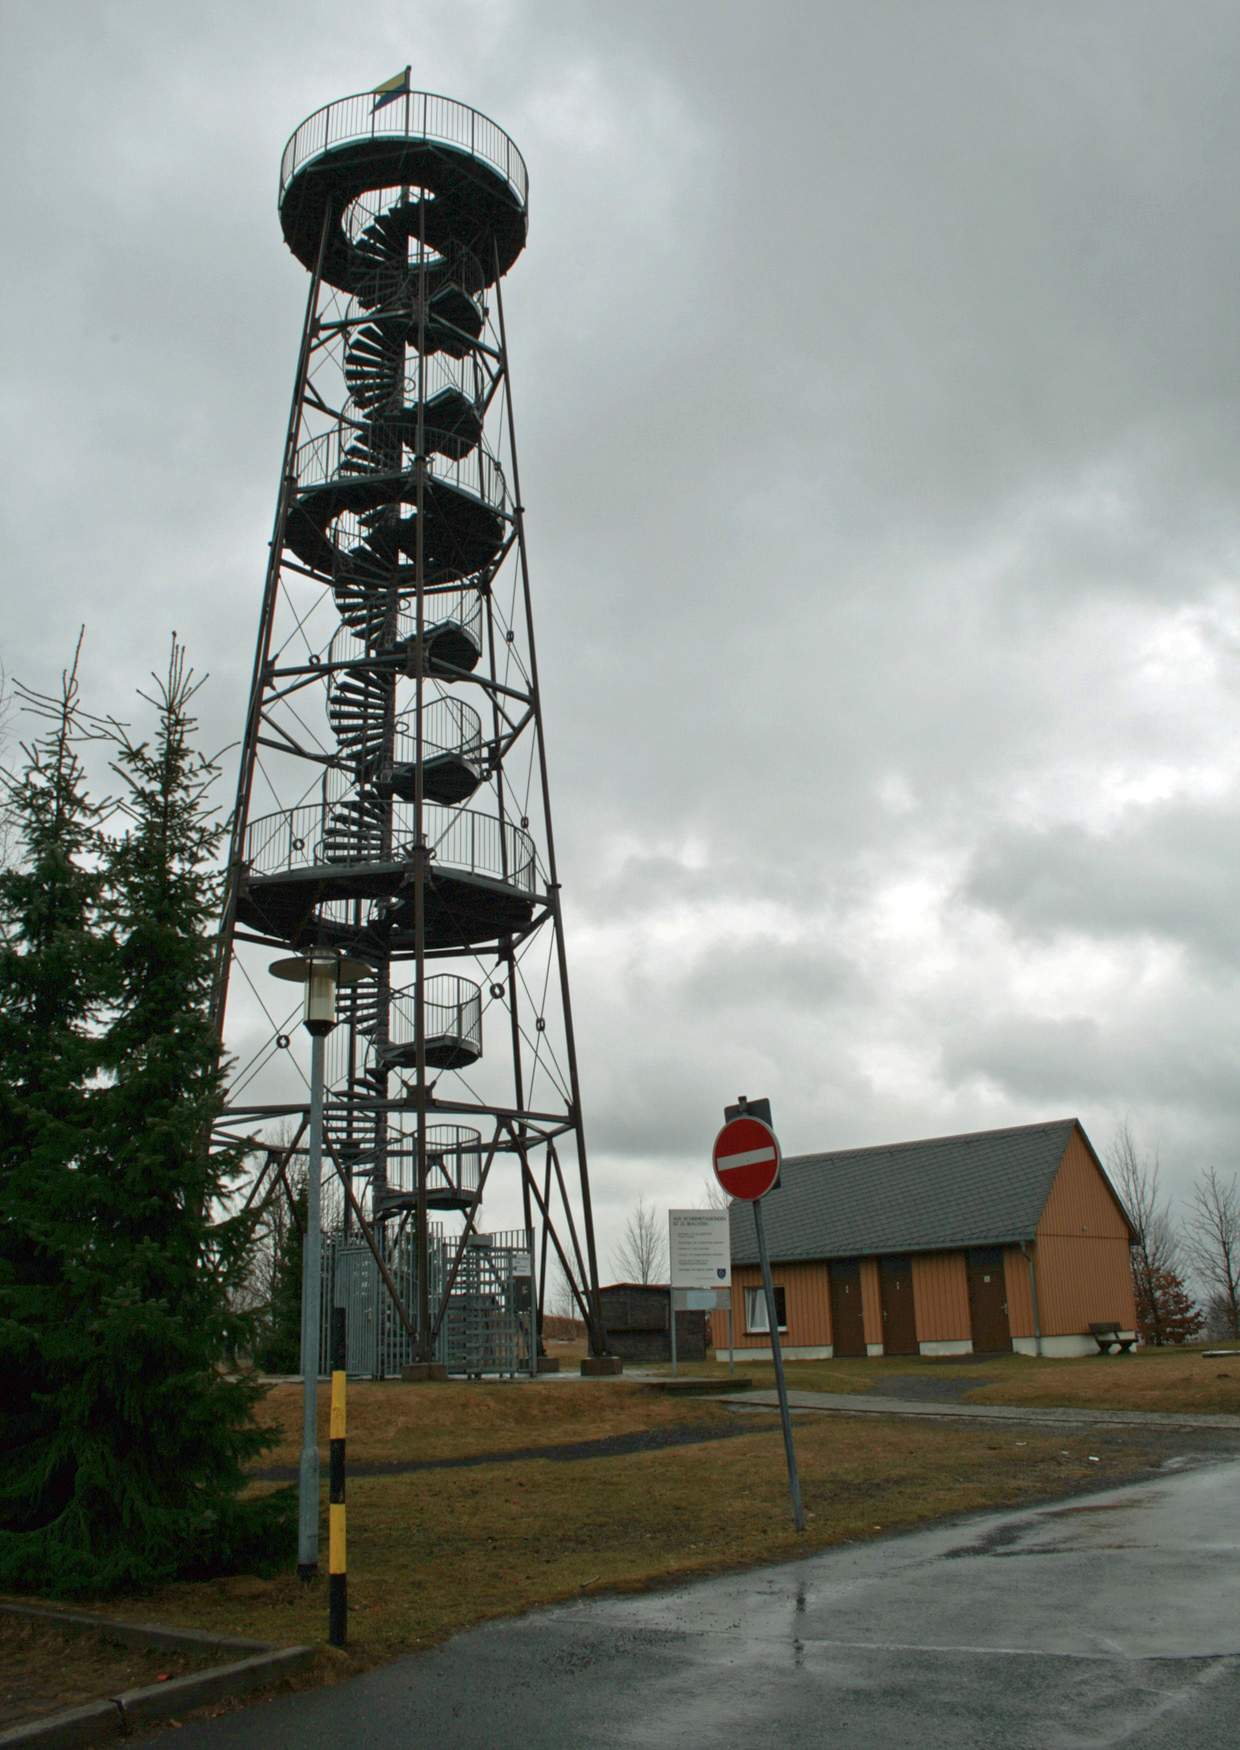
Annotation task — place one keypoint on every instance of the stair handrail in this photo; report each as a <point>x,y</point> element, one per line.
<point>441,608</point>
<point>448,726</point>
<point>442,372</point>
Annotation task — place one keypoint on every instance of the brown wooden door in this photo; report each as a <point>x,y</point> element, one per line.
<point>899,1320</point>
<point>847,1323</point>
<point>988,1313</point>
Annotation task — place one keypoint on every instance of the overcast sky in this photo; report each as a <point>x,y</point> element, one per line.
<point>877,373</point>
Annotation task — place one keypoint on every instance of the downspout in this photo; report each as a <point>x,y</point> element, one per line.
<point>1027,1249</point>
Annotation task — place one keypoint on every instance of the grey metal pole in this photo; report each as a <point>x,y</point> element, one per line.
<point>308,1474</point>
<point>671,1307</point>
<point>731,1341</point>
<point>794,1481</point>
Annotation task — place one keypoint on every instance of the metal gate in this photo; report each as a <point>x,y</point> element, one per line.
<point>487,1327</point>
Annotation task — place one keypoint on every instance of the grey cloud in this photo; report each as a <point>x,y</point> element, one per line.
<point>1166,872</point>
<point>875,375</point>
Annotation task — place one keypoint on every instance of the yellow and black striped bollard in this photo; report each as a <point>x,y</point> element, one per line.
<point>337,1556</point>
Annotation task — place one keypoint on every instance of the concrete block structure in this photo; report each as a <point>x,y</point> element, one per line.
<point>995,1241</point>
<point>636,1324</point>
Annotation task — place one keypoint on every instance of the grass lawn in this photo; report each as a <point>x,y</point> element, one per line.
<point>390,1421</point>
<point>1152,1379</point>
<point>433,1552</point>
<point>832,1376</point>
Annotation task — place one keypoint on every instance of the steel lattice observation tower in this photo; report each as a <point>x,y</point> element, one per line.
<point>393,800</point>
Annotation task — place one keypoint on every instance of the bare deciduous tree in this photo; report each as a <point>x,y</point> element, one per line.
<point>641,1255</point>
<point>713,1194</point>
<point>1212,1242</point>
<point>560,1302</point>
<point>1156,1252</point>
<point>275,1219</point>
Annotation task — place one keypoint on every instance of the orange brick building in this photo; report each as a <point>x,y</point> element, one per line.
<point>959,1245</point>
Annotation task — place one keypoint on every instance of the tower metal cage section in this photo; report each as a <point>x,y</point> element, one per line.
<point>393,801</point>
<point>488,1325</point>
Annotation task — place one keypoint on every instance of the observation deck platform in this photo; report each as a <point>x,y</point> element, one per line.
<point>453,1159</point>
<point>480,884</point>
<point>464,524</point>
<point>474,176</point>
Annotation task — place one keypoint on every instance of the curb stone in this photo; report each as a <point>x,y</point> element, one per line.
<point>133,1634</point>
<point>115,1716</point>
<point>91,1723</point>
<point>159,1701</point>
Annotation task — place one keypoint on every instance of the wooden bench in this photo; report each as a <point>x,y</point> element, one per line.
<point>1106,1335</point>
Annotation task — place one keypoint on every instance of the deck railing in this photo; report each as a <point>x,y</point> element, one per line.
<point>460,839</point>
<point>453,1161</point>
<point>337,454</point>
<point>416,115</point>
<point>453,1010</point>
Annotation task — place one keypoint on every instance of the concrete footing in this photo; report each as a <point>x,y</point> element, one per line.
<point>418,1372</point>
<point>601,1366</point>
<point>548,1364</point>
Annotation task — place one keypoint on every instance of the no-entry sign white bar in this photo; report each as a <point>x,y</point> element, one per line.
<point>751,1157</point>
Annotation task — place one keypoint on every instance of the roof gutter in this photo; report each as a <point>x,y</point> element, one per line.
<point>1027,1249</point>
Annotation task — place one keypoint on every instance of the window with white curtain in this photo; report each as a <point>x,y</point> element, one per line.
<point>755,1310</point>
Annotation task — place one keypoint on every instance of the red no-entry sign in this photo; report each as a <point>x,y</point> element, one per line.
<point>746,1158</point>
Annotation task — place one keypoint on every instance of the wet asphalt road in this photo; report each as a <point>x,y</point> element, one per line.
<point>1113,1619</point>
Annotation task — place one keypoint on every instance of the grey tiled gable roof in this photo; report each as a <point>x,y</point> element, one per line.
<point>988,1188</point>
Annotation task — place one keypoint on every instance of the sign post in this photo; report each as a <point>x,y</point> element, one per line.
<point>746,1159</point>
<point>699,1254</point>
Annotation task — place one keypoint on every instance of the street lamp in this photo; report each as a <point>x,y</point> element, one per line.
<point>322,974</point>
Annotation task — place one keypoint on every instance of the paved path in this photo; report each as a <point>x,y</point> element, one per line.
<point>1110,1620</point>
<point>871,1404</point>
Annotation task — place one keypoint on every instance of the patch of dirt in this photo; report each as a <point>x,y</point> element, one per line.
<point>43,1669</point>
<point>567,1452</point>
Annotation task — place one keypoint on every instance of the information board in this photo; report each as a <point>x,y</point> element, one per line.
<point>698,1248</point>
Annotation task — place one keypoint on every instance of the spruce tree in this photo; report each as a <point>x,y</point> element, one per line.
<point>55,973</point>
<point>151,1436</point>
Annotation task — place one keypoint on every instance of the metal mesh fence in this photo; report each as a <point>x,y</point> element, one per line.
<point>486,1329</point>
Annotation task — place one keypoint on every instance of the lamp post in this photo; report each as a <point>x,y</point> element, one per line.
<point>321,974</point>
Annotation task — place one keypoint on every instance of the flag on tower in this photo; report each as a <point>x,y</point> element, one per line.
<point>391,89</point>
